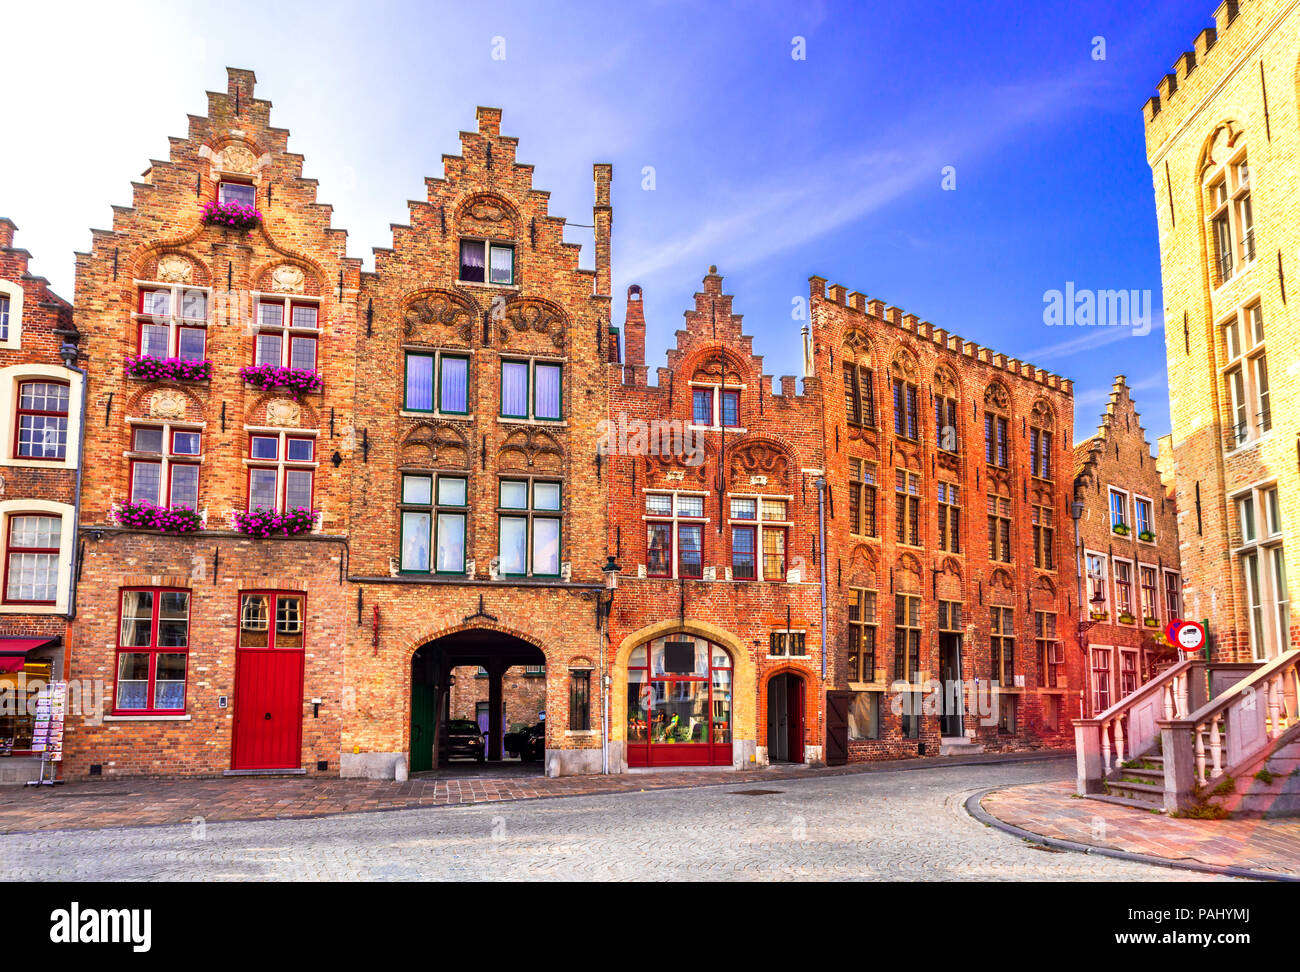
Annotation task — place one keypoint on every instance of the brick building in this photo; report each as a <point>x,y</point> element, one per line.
<point>523,696</point>
<point>477,532</point>
<point>41,395</point>
<point>948,536</point>
<point>220,650</point>
<point>715,648</point>
<point>1223,141</point>
<point>1127,552</point>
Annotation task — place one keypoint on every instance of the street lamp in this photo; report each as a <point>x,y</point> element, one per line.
<point>610,570</point>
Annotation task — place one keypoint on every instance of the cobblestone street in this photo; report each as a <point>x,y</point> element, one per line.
<point>885,826</point>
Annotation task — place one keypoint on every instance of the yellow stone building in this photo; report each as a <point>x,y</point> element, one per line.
<point>1223,141</point>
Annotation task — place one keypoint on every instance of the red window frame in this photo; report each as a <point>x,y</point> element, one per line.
<point>723,396</point>
<point>273,608</point>
<point>222,183</point>
<point>695,398</point>
<point>152,649</point>
<point>281,467</point>
<point>131,479</point>
<point>754,553</point>
<point>173,320</point>
<point>195,432</point>
<point>20,412</point>
<point>681,563</point>
<point>672,539</point>
<point>287,330</point>
<point>171,474</point>
<point>9,550</point>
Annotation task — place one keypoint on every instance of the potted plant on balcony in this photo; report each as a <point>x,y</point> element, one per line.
<point>1099,615</point>
<point>1151,622</point>
<point>1147,536</point>
<point>148,367</point>
<point>1126,618</point>
<point>1121,528</point>
<point>148,516</point>
<point>262,522</point>
<point>231,215</point>
<point>268,376</point>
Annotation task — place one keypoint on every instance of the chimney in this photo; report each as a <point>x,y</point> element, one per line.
<point>7,230</point>
<point>602,219</point>
<point>634,328</point>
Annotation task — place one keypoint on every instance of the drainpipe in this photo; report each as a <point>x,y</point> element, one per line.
<point>1076,513</point>
<point>821,529</point>
<point>68,351</point>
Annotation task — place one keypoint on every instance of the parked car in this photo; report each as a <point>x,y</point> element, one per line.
<point>462,737</point>
<point>528,743</point>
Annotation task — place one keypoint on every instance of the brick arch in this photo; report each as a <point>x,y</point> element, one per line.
<point>256,411</point>
<point>439,306</point>
<point>474,214</point>
<point>412,646</point>
<point>809,699</point>
<point>857,345</point>
<point>743,672</point>
<point>752,442</point>
<point>146,268</point>
<point>309,266</point>
<point>137,405</point>
<point>997,397</point>
<point>1043,415</point>
<point>147,254</point>
<point>1234,132</point>
<point>263,280</point>
<point>691,364</point>
<point>904,364</point>
<point>946,382</point>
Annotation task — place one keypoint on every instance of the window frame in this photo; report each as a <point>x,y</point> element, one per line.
<point>531,514</point>
<point>437,356</point>
<point>864,497</point>
<point>238,183</point>
<point>488,246</point>
<point>948,516</point>
<point>530,395</point>
<point>287,330</point>
<point>174,320</point>
<point>673,520</point>
<point>717,412</point>
<point>762,525</point>
<point>282,465</point>
<point>434,509</point>
<point>7,521</point>
<point>166,458</point>
<point>19,412</point>
<point>153,649</point>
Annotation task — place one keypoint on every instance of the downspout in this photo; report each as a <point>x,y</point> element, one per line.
<point>68,351</point>
<point>1076,512</point>
<point>821,529</point>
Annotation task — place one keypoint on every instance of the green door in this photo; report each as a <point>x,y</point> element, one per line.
<point>422,724</point>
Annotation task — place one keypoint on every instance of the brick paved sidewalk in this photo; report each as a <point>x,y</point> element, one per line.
<point>128,803</point>
<point>1051,810</point>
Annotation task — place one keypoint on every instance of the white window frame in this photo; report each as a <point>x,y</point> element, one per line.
<point>13,339</point>
<point>11,378</point>
<point>759,522</point>
<point>717,388</point>
<point>67,538</point>
<point>281,463</point>
<point>675,518</point>
<point>1134,609</point>
<point>174,321</point>
<point>1136,532</point>
<point>1234,178</point>
<point>1239,375</point>
<point>286,328</point>
<point>1112,491</point>
<point>1108,587</point>
<point>1270,633</point>
<point>165,458</point>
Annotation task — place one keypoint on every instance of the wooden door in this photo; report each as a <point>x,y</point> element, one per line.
<point>794,718</point>
<point>837,727</point>
<point>268,709</point>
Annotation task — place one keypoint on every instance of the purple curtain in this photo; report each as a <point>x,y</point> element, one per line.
<point>455,385</point>
<point>419,382</point>
<point>514,388</point>
<point>548,391</point>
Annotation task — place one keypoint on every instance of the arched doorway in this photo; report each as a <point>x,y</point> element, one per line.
<point>483,660</point>
<point>786,700</point>
<point>679,703</point>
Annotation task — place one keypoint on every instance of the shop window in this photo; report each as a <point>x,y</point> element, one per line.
<point>907,637</point>
<point>152,651</point>
<point>864,716</point>
<point>679,694</point>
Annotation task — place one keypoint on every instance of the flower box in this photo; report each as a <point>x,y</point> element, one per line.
<point>147,516</point>
<point>1099,615</point>
<point>231,215</point>
<point>1121,529</point>
<point>261,522</point>
<point>1151,622</point>
<point>267,377</point>
<point>147,367</point>
<point>1126,619</point>
<point>1147,535</point>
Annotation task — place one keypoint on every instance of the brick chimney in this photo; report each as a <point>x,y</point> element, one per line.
<point>603,219</point>
<point>7,230</point>
<point>634,328</point>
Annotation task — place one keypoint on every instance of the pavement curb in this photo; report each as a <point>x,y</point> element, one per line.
<point>974,806</point>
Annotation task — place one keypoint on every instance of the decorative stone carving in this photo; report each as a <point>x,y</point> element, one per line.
<point>529,445</point>
<point>167,403</point>
<point>1042,415</point>
<point>997,397</point>
<point>283,413</point>
<point>441,310</point>
<point>718,367</point>
<point>857,345</point>
<point>173,268</point>
<point>486,212</point>
<point>288,279</point>
<point>436,445</point>
<point>758,480</point>
<point>238,158</point>
<point>759,459</point>
<point>531,315</point>
<point>904,365</point>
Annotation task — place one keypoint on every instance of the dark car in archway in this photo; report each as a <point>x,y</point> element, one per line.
<point>462,738</point>
<point>528,743</point>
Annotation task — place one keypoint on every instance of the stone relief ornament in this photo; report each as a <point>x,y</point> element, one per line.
<point>288,279</point>
<point>167,404</point>
<point>439,309</point>
<point>238,158</point>
<point>175,269</point>
<point>531,316</point>
<point>486,212</point>
<point>283,412</point>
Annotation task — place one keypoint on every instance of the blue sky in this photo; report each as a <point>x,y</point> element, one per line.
<point>770,167</point>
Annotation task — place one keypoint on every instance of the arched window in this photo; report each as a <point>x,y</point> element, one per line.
<point>679,703</point>
<point>859,388</point>
<point>997,405</point>
<point>1226,181</point>
<point>1041,424</point>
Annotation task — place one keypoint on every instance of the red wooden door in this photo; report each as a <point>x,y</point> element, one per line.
<point>794,706</point>
<point>268,709</point>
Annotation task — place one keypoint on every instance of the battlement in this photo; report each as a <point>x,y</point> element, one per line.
<point>1236,22</point>
<point>895,317</point>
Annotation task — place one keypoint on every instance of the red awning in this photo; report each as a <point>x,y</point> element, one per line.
<point>13,651</point>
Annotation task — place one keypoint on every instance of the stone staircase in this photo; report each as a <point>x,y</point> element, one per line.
<point>1140,781</point>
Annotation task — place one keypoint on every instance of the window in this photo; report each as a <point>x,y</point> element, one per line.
<point>678,691</point>
<point>1044,534</point>
<point>949,519</point>
<point>862,498</point>
<point>4,317</point>
<point>579,699</point>
<point>1040,453</point>
<point>907,508</point>
<point>713,402</point>
<point>528,527</point>
<point>42,420</point>
<point>1002,646</point>
<point>498,259</point>
<point>1263,567</point>
<point>531,390</point>
<point>859,395</point>
<point>165,480</point>
<point>433,526</point>
<point>287,332</point>
<point>1119,511</point>
<point>1101,660</point>
<point>281,471</point>
<point>753,517</point>
<point>1128,673</point>
<point>945,424</point>
<point>1150,590</point>
<point>1232,222</point>
<point>904,409</point>
<point>237,192</point>
<point>1173,595</point>
<point>995,440</point>
<point>1096,573</point>
<point>152,650</point>
<point>1000,529</point>
<point>862,635</point>
<point>787,644</point>
<point>907,638</point>
<point>32,559</point>
<point>452,386</point>
<point>273,621</point>
<point>864,716</point>
<point>173,321</point>
<point>1123,589</point>
<point>1245,376</point>
<point>675,534</point>
<point>1145,523</point>
<point>1051,654</point>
